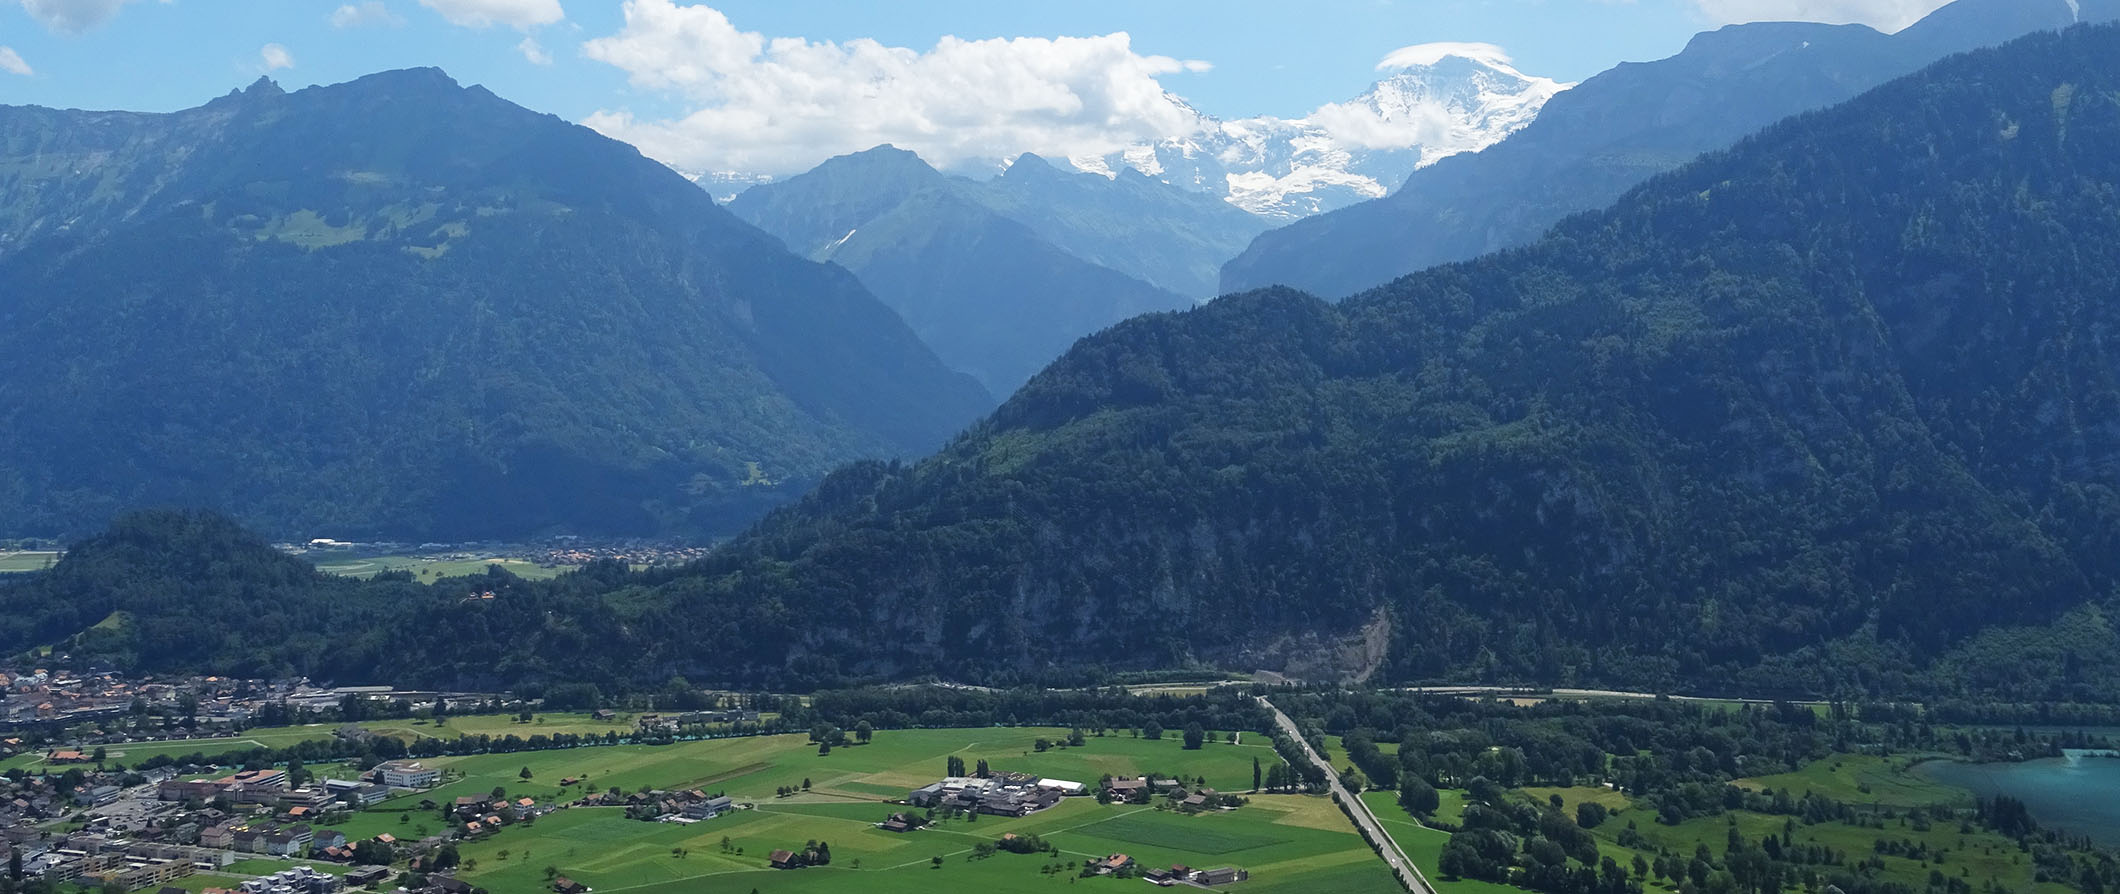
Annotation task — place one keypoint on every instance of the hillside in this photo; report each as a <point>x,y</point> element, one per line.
<point>1825,412</point>
<point>403,308</point>
<point>1594,142</point>
<point>992,294</point>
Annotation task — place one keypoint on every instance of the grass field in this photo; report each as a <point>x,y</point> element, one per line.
<point>1862,779</point>
<point>407,729</point>
<point>1424,845</point>
<point>1276,839</point>
<point>894,764</point>
<point>428,569</point>
<point>17,562</point>
<point>1289,843</point>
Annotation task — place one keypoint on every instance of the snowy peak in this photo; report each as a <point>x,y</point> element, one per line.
<point>1438,100</point>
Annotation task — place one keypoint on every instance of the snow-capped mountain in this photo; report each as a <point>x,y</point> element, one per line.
<point>1442,99</point>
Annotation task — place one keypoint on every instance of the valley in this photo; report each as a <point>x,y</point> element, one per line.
<point>723,447</point>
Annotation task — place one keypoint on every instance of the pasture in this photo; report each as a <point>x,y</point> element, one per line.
<point>16,562</point>
<point>1861,779</point>
<point>1276,838</point>
<point>428,569</point>
<point>1289,843</point>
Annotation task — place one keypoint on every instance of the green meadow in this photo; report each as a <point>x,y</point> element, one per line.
<point>17,562</point>
<point>1284,841</point>
<point>403,728</point>
<point>428,569</point>
<point>1862,779</point>
<point>1288,843</point>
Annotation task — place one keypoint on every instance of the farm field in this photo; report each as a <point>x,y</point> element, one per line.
<point>402,728</point>
<point>428,569</point>
<point>895,763</point>
<point>16,562</point>
<point>1289,843</point>
<point>1279,839</point>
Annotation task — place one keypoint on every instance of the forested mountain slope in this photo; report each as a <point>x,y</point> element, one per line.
<point>399,307</point>
<point>1594,142</point>
<point>1812,413</point>
<point>1835,411</point>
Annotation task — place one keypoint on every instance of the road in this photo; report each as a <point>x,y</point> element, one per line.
<point>1387,846</point>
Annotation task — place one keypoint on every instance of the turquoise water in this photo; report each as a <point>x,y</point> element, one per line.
<point>2079,793</point>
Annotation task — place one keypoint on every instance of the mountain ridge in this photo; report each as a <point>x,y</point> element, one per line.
<point>1613,131</point>
<point>298,270</point>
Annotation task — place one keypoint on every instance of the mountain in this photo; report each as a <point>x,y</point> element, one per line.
<point>1445,99</point>
<point>1592,143</point>
<point>1170,238</point>
<point>1830,411</point>
<point>991,293</point>
<point>404,308</point>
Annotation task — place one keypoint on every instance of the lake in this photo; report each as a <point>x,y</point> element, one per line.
<point>2079,793</point>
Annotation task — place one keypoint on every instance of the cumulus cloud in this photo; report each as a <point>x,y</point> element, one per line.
<point>275,57</point>
<point>523,14</point>
<point>11,62</point>
<point>72,16</point>
<point>1884,15</point>
<point>534,51</point>
<point>780,105</point>
<point>372,12</point>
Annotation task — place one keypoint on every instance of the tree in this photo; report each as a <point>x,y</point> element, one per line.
<point>806,783</point>
<point>1417,797</point>
<point>525,774</point>
<point>1590,814</point>
<point>1075,738</point>
<point>863,732</point>
<point>1194,736</point>
<point>1151,730</point>
<point>99,754</point>
<point>445,857</point>
<point>551,872</point>
<point>956,767</point>
<point>1255,770</point>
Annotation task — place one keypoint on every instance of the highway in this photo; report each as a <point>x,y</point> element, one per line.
<point>1387,847</point>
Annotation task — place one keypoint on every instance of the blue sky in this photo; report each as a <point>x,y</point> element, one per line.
<point>611,62</point>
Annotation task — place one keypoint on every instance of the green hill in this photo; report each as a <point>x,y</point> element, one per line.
<point>1808,414</point>
<point>402,308</point>
<point>1831,412</point>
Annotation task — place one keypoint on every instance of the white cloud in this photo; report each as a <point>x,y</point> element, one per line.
<point>371,12</point>
<point>534,51</point>
<point>1431,53</point>
<point>72,16</point>
<point>781,105</point>
<point>1884,15</point>
<point>275,57</point>
<point>11,62</point>
<point>523,14</point>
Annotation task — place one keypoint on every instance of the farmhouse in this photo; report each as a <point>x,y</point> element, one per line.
<point>1222,876</point>
<point>783,859</point>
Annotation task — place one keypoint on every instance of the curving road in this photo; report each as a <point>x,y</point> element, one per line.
<point>1387,847</point>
